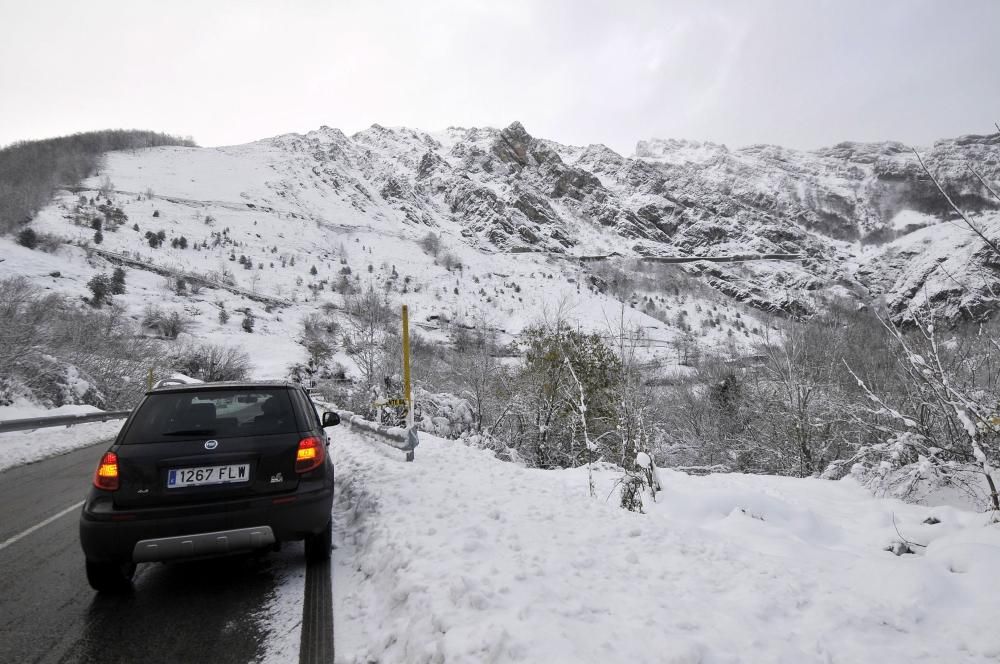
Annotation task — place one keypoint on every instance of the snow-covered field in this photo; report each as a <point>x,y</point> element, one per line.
<point>458,557</point>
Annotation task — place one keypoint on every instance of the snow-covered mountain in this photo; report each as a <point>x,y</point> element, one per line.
<point>509,190</point>
<point>852,191</point>
<point>283,228</point>
<point>503,190</point>
<point>518,214</point>
<point>874,195</point>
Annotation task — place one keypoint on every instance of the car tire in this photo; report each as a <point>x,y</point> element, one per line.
<point>318,546</point>
<point>110,577</point>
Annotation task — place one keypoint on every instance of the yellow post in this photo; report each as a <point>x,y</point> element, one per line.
<point>406,367</point>
<point>149,379</point>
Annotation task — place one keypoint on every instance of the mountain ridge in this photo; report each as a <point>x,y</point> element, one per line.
<point>841,208</point>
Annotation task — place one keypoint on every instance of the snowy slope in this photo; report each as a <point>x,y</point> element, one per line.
<point>287,206</point>
<point>459,557</point>
<point>504,190</point>
<point>849,191</point>
<point>288,219</point>
<point>944,267</point>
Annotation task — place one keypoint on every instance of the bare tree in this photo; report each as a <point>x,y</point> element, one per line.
<point>54,349</point>
<point>369,333</point>
<point>212,362</point>
<point>947,427</point>
<point>804,406</point>
<point>944,426</point>
<point>107,187</point>
<point>581,411</point>
<point>632,434</point>
<point>319,336</point>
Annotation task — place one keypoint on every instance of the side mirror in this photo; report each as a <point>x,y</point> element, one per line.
<point>330,419</point>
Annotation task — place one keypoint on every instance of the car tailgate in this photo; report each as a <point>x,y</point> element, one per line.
<point>153,474</point>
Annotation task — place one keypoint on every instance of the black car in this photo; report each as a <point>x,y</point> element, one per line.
<point>206,470</point>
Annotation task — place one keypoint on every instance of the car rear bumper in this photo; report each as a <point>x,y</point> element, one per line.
<point>202,544</point>
<point>117,535</point>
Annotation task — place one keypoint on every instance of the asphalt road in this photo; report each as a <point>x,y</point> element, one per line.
<point>189,612</point>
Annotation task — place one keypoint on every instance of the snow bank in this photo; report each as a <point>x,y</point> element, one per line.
<point>458,557</point>
<point>21,409</point>
<point>21,447</point>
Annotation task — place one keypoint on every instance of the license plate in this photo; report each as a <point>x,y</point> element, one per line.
<point>181,477</point>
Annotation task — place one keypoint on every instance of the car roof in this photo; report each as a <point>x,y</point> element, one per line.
<point>225,385</point>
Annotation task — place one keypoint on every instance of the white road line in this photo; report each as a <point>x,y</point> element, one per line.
<point>19,537</point>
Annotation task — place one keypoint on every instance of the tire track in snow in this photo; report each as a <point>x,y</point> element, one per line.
<point>317,645</point>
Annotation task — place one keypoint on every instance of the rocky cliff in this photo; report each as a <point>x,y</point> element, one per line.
<point>849,210</point>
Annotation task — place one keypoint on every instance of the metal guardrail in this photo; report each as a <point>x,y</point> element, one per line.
<point>31,423</point>
<point>404,440</point>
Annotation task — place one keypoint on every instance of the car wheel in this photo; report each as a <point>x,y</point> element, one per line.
<point>110,577</point>
<point>318,546</point>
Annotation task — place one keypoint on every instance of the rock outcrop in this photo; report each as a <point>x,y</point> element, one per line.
<point>851,210</point>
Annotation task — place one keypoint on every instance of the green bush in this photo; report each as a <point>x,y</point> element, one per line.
<point>118,281</point>
<point>100,289</point>
<point>27,238</point>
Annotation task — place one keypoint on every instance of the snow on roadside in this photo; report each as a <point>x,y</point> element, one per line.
<point>458,557</point>
<point>20,447</point>
<point>21,409</point>
<point>281,617</point>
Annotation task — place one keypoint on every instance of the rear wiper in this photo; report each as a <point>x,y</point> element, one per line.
<point>188,432</point>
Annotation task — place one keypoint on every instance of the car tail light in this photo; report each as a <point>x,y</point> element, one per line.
<point>310,455</point>
<point>106,476</point>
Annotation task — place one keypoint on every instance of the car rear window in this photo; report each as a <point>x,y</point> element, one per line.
<point>216,414</point>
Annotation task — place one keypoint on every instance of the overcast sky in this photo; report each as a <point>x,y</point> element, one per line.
<point>799,73</point>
